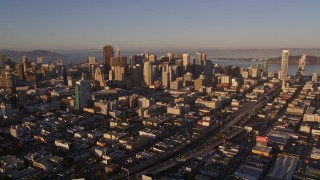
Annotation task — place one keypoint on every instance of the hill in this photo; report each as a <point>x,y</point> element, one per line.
<point>30,54</point>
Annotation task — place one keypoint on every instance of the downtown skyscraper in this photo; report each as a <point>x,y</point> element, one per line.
<point>284,65</point>
<point>107,55</point>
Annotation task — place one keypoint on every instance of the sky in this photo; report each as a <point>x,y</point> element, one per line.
<point>165,24</point>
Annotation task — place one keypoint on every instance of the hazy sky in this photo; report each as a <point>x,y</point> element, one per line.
<point>163,24</point>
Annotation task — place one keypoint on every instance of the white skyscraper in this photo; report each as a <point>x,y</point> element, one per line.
<point>186,61</point>
<point>284,65</point>
<point>147,73</point>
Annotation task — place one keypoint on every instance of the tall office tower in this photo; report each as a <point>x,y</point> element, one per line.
<point>137,75</point>
<point>91,64</point>
<point>204,57</point>
<point>39,60</point>
<point>179,64</point>
<point>123,62</point>
<point>217,69</point>
<point>173,70</point>
<point>92,69</point>
<point>185,61</point>
<point>165,79</point>
<point>208,67</point>
<point>199,58</point>
<point>145,55</point>
<point>114,61</point>
<point>284,65</point>
<point>147,73</point>
<point>198,64</point>
<point>2,61</point>
<point>98,76</point>
<point>92,60</point>
<point>111,74</point>
<point>107,55</point>
<point>119,73</point>
<point>235,71</point>
<point>59,62</point>
<point>64,75</point>
<point>179,56</point>
<point>25,63</point>
<point>19,68</point>
<point>152,58</point>
<point>315,77</point>
<point>117,52</point>
<point>82,92</point>
<point>165,66</point>
<point>170,55</point>
<point>255,73</point>
<point>165,59</point>
<point>118,61</point>
<point>136,59</point>
<point>258,66</point>
<point>8,80</point>
<point>265,66</point>
<point>156,74</point>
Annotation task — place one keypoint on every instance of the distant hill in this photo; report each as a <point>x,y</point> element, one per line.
<point>295,60</point>
<point>30,54</point>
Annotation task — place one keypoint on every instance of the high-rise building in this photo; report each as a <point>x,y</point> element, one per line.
<point>25,63</point>
<point>315,77</point>
<point>118,61</point>
<point>185,61</point>
<point>98,76</point>
<point>200,58</point>
<point>152,58</point>
<point>64,75</point>
<point>147,73</point>
<point>170,55</point>
<point>198,63</point>
<point>92,60</point>
<point>208,67</point>
<point>137,74</point>
<point>136,59</point>
<point>2,61</point>
<point>19,68</point>
<point>165,79</point>
<point>284,65</point>
<point>82,92</point>
<point>256,73</point>
<point>8,80</point>
<point>265,66</point>
<point>39,60</point>
<point>119,73</point>
<point>107,55</point>
<point>145,55</point>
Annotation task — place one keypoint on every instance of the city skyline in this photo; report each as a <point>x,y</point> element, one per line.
<point>159,25</point>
